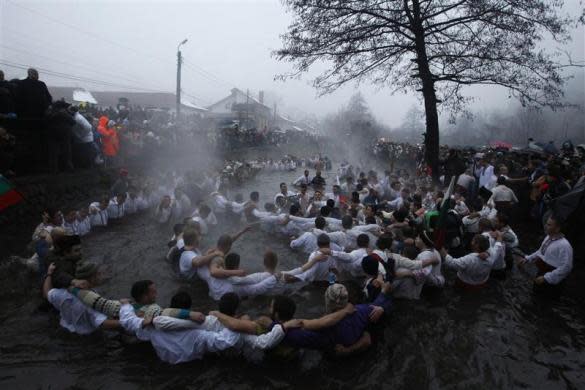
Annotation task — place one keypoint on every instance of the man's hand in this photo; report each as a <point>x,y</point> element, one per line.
<point>325,251</point>
<point>540,280</point>
<point>147,322</point>
<point>496,235</point>
<point>349,308</point>
<point>387,288</point>
<point>319,257</point>
<point>80,283</point>
<point>376,314</point>
<point>294,323</point>
<point>443,252</point>
<point>196,316</point>
<point>484,255</point>
<point>214,313</point>
<point>124,301</point>
<point>51,269</point>
<point>340,350</point>
<point>240,272</point>
<point>521,261</point>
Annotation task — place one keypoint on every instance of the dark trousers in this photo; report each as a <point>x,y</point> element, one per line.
<point>59,152</point>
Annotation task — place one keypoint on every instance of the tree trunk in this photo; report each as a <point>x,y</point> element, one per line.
<point>428,90</point>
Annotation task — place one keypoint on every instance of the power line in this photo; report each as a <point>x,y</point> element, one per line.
<point>35,41</point>
<point>71,64</point>
<point>205,73</point>
<point>79,78</point>
<point>195,97</point>
<point>196,68</point>
<point>88,33</point>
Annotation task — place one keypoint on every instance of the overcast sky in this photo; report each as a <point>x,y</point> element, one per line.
<point>133,44</point>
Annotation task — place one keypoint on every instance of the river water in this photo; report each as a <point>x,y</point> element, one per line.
<point>502,337</point>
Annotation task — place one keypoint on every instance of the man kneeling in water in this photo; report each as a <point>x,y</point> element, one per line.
<point>144,294</point>
<point>189,341</point>
<point>224,277</point>
<point>282,310</point>
<point>75,316</point>
<point>342,329</point>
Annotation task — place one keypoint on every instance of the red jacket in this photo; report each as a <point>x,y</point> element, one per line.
<point>110,142</point>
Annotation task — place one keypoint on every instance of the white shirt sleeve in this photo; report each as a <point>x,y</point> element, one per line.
<point>166,324</point>
<point>460,263</point>
<point>564,256</point>
<point>342,256</point>
<point>267,340</point>
<point>128,319</point>
<point>300,242</point>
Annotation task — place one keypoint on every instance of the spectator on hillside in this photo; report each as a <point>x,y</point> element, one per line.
<point>59,133</point>
<point>33,97</point>
<point>7,144</point>
<point>84,150</point>
<point>6,96</point>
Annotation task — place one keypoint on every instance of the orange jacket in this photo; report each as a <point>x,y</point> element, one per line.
<point>110,142</point>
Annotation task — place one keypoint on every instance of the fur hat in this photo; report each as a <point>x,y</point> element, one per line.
<point>336,297</point>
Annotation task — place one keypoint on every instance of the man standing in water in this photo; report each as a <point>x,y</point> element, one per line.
<point>554,259</point>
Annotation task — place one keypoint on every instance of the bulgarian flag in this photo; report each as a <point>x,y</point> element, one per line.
<point>8,194</point>
<point>440,230</point>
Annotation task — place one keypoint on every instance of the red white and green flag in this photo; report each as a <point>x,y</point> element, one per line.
<point>8,194</point>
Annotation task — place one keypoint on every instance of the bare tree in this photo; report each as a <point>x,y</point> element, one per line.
<point>436,47</point>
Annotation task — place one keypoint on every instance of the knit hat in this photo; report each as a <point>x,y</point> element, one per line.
<point>85,270</point>
<point>370,264</point>
<point>336,297</point>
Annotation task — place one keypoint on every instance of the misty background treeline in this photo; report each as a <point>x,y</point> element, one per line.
<point>354,124</point>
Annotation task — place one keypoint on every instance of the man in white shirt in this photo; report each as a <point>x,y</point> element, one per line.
<point>75,316</point>
<point>284,192</point>
<point>116,207</point>
<point>554,258</point>
<point>485,173</point>
<point>192,259</point>
<point>317,268</point>
<point>466,181</point>
<point>334,195</point>
<point>352,261</point>
<point>98,212</point>
<point>473,271</point>
<point>502,193</point>
<point>307,242</point>
<point>305,179</point>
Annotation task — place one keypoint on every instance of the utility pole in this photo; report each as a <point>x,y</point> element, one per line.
<point>178,93</point>
<point>247,106</point>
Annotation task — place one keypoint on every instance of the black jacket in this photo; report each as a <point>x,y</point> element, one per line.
<point>33,98</point>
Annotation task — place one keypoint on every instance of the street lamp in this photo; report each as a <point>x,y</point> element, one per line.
<point>179,61</point>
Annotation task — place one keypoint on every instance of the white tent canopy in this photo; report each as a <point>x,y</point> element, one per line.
<point>83,96</point>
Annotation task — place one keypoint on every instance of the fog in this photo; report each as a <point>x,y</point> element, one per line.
<point>131,45</point>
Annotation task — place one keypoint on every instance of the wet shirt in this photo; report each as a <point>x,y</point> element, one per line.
<point>186,267</point>
<point>346,332</point>
<point>557,253</point>
<point>97,216</point>
<point>472,269</point>
<point>75,316</point>
<point>179,345</point>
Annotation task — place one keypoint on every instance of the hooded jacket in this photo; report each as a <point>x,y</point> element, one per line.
<point>110,142</point>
